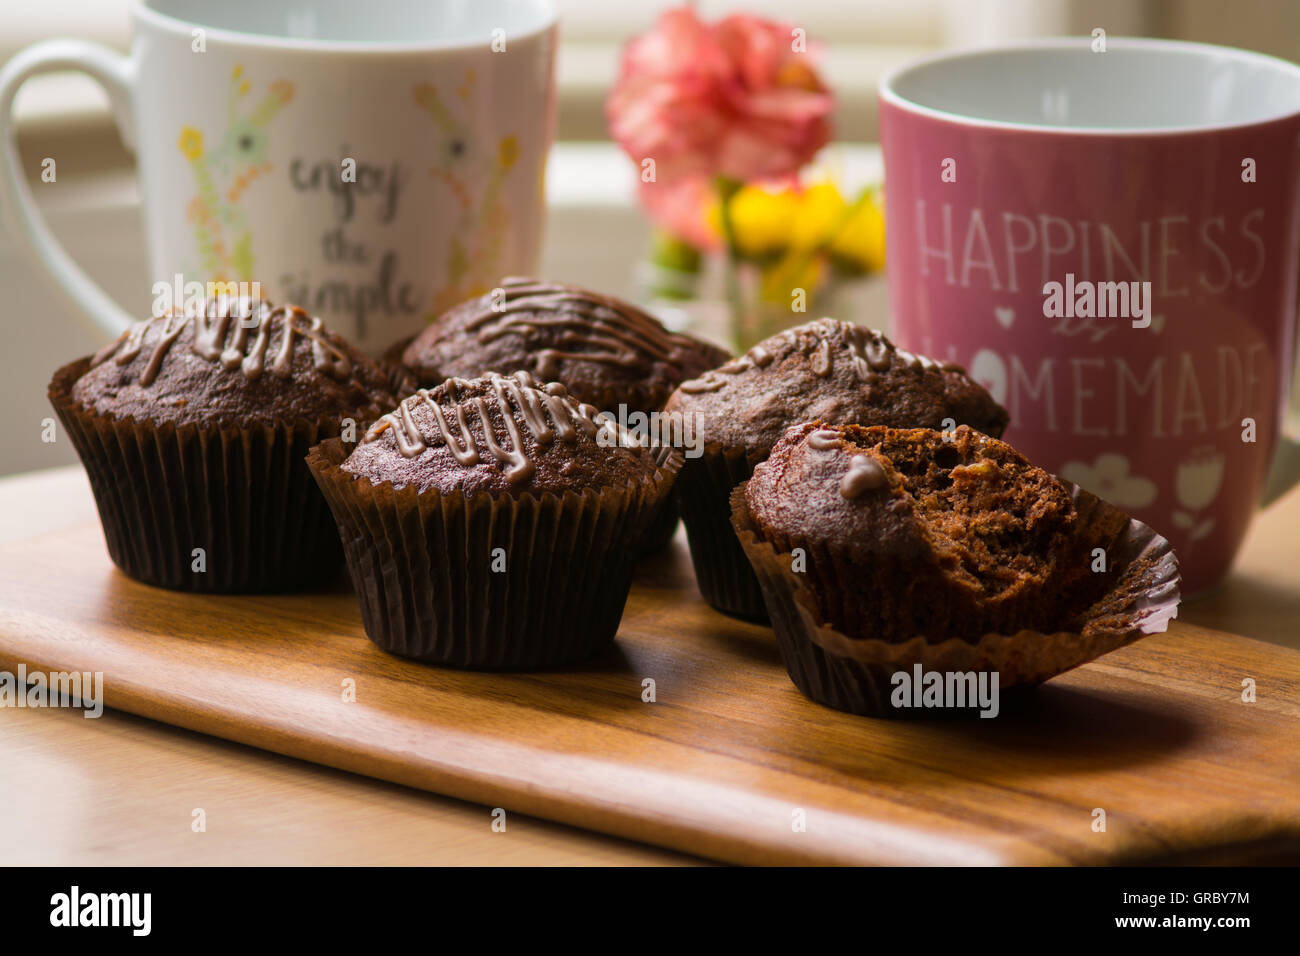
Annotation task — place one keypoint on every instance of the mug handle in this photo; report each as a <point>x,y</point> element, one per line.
<point>115,73</point>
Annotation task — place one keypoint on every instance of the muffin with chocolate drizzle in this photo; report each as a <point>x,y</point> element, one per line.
<point>193,428</point>
<point>605,351</point>
<point>828,370</point>
<point>945,549</point>
<point>493,522</point>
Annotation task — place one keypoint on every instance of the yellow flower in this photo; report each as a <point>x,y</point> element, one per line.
<point>821,212</point>
<point>237,72</point>
<point>508,151</point>
<point>761,219</point>
<point>191,143</point>
<point>861,241</point>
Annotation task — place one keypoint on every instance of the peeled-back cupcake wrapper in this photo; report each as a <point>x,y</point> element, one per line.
<point>243,496</point>
<point>722,571</point>
<point>856,675</point>
<point>427,572</point>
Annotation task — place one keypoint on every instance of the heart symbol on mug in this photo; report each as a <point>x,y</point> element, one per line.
<point>1004,316</point>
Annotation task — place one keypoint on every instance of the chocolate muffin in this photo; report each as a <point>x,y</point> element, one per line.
<point>828,370</point>
<point>493,522</point>
<point>888,546</point>
<point>607,352</point>
<point>193,429</point>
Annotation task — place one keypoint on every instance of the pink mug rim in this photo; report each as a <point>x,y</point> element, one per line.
<point>890,96</point>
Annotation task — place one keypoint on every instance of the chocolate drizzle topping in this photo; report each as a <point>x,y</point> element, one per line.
<point>232,319</point>
<point>824,439</point>
<point>587,327</point>
<point>870,353</point>
<point>547,411</point>
<point>864,474</point>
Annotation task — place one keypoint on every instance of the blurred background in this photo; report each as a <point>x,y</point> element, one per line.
<point>596,234</point>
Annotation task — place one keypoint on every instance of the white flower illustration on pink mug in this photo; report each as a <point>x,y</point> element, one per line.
<point>1197,482</point>
<point>1108,477</point>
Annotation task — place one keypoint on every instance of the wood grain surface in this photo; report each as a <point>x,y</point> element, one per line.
<point>729,753</point>
<point>120,790</point>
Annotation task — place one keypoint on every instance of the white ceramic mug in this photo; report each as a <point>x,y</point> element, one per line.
<point>374,162</point>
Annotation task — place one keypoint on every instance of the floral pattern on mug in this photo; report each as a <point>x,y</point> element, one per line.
<point>223,174</point>
<point>1109,478</point>
<point>1197,482</point>
<point>475,172</point>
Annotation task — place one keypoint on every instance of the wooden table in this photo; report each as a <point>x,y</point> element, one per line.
<point>120,789</point>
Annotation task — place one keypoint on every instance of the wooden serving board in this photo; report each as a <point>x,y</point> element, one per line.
<point>729,755</point>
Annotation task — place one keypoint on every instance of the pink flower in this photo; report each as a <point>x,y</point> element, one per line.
<point>685,208</point>
<point>731,98</point>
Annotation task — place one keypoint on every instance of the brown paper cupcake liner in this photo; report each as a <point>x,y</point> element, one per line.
<point>856,675</point>
<point>431,582</point>
<point>243,496</point>
<point>664,525</point>
<point>723,573</point>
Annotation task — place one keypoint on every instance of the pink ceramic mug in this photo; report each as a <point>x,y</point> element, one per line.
<point>1109,242</point>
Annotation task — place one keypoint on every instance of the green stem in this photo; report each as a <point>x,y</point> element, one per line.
<point>727,188</point>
